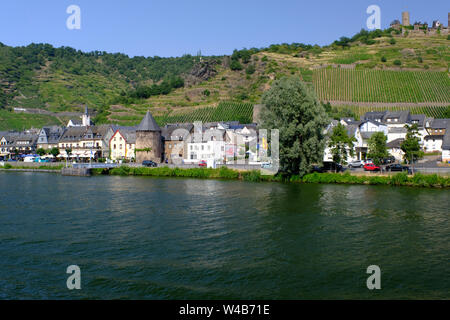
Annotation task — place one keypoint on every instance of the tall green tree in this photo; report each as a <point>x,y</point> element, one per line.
<point>292,107</point>
<point>341,145</point>
<point>410,146</point>
<point>377,147</point>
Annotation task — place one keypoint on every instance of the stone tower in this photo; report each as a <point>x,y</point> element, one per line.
<point>405,18</point>
<point>148,140</point>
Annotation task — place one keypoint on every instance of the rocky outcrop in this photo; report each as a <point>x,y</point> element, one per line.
<point>201,72</point>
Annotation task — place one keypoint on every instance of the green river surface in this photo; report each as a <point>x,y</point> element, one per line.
<point>158,238</point>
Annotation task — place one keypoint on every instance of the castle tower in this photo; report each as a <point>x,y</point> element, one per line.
<point>148,140</point>
<point>85,118</point>
<point>405,18</point>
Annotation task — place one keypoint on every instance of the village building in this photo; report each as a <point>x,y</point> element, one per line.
<point>122,144</point>
<point>206,144</point>
<point>175,146</point>
<point>148,140</point>
<point>18,143</point>
<point>48,137</point>
<point>446,146</point>
<point>242,143</point>
<point>395,150</point>
<point>85,142</point>
<point>436,129</point>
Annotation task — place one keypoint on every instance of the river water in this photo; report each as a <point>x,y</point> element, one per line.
<point>152,238</point>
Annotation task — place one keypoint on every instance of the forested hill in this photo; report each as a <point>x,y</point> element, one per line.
<point>58,79</point>
<point>382,69</point>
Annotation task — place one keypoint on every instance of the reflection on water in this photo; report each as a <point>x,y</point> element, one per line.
<point>154,238</point>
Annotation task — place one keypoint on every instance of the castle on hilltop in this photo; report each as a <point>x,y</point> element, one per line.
<point>418,28</point>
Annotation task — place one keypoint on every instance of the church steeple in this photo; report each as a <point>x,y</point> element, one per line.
<point>86,119</point>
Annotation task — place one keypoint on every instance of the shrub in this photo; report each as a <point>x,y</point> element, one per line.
<point>392,41</point>
<point>7,166</point>
<point>399,179</point>
<point>397,63</point>
<point>250,69</point>
<point>235,65</point>
<point>383,59</point>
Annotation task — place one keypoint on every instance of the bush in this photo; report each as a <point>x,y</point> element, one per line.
<point>399,179</point>
<point>250,69</point>
<point>7,166</point>
<point>448,37</point>
<point>392,41</point>
<point>383,59</point>
<point>235,65</point>
<point>397,63</point>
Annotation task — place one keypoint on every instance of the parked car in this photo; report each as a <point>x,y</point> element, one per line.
<point>388,160</point>
<point>397,167</point>
<point>332,166</point>
<point>202,163</point>
<point>317,169</point>
<point>371,167</point>
<point>328,166</point>
<point>356,164</point>
<point>149,163</point>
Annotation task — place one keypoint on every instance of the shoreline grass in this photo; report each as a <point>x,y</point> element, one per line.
<point>224,173</point>
<point>400,179</point>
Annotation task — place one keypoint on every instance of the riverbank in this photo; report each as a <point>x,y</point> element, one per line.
<point>224,173</point>
<point>399,179</point>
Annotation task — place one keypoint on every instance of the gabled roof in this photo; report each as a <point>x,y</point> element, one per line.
<point>440,123</point>
<point>419,119</point>
<point>374,115</point>
<point>395,143</point>
<point>402,116</point>
<point>148,123</point>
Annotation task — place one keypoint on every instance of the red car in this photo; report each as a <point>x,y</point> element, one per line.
<point>371,167</point>
<point>202,163</point>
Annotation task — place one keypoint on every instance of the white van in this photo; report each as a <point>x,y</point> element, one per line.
<point>29,159</point>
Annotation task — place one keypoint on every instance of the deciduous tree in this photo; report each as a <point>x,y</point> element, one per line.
<point>292,107</point>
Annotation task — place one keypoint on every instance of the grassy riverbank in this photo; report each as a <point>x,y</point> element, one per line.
<point>8,166</point>
<point>400,179</point>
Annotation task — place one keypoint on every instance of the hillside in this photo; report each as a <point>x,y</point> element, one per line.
<point>372,70</point>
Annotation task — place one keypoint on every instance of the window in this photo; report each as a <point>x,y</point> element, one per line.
<point>114,146</point>
<point>120,146</point>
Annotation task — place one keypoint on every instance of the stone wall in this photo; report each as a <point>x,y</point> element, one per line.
<point>148,140</point>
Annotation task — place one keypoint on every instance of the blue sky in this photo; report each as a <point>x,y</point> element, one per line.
<point>175,27</point>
